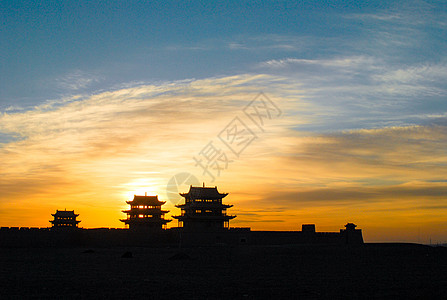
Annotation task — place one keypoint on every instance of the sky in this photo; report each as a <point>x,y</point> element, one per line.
<point>322,112</point>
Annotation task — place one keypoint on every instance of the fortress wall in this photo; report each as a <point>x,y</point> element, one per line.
<point>38,237</point>
<point>247,237</point>
<point>103,237</point>
<point>294,237</point>
<point>106,237</point>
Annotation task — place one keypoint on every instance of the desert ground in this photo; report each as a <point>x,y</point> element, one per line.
<point>371,271</point>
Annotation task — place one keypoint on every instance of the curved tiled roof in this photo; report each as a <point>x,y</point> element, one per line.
<point>146,200</point>
<point>65,213</point>
<point>198,192</point>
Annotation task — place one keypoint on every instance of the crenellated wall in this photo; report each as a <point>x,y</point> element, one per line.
<point>109,237</point>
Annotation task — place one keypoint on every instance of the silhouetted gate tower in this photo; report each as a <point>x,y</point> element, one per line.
<point>203,209</point>
<point>145,213</point>
<point>65,219</point>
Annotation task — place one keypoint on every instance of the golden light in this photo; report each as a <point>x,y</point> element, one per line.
<point>141,186</point>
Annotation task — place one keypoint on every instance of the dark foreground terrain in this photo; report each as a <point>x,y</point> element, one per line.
<point>224,272</point>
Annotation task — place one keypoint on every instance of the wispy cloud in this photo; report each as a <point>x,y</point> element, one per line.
<point>411,14</point>
<point>76,80</point>
<point>281,43</point>
<point>93,152</point>
<point>356,62</point>
<point>115,140</point>
<point>364,91</point>
<point>13,108</point>
<point>258,43</point>
<point>423,73</point>
<point>381,178</point>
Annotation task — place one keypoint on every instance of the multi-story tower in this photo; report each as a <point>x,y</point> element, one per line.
<point>203,210</point>
<point>145,213</point>
<point>65,219</point>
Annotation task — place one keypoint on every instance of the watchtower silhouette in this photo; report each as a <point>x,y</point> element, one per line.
<point>203,209</point>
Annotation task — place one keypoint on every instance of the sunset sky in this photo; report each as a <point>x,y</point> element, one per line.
<point>322,112</point>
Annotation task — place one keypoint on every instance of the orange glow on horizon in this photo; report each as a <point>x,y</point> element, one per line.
<point>389,181</point>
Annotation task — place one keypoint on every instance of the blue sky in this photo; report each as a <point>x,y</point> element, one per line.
<point>118,96</point>
<point>52,49</point>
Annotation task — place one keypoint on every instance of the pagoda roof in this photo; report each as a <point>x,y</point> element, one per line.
<point>198,192</point>
<point>65,213</point>
<point>146,200</point>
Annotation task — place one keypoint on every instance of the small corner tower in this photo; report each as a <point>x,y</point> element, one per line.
<point>145,213</point>
<point>203,210</point>
<point>65,219</point>
<point>351,235</point>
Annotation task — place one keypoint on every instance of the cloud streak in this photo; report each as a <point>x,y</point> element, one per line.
<point>93,152</point>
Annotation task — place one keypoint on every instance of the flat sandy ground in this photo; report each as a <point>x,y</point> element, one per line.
<point>225,272</point>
